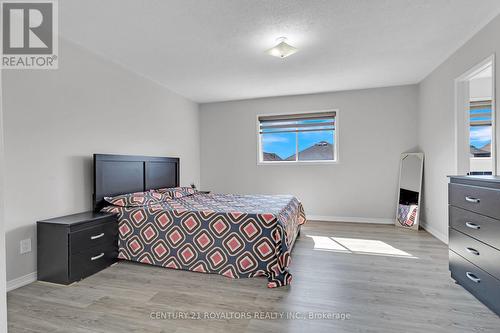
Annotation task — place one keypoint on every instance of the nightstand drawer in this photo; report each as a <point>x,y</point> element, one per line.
<point>91,261</point>
<point>481,200</point>
<point>482,285</point>
<point>483,228</point>
<point>105,233</point>
<point>480,254</point>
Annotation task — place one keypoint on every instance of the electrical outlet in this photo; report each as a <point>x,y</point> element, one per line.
<point>25,245</point>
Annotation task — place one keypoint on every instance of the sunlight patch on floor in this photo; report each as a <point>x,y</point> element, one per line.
<point>358,246</point>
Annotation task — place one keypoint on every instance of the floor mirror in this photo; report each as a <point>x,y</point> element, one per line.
<point>409,190</point>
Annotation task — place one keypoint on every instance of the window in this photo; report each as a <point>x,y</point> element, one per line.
<point>304,137</point>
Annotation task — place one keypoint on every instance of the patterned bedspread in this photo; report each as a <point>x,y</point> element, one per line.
<point>233,235</point>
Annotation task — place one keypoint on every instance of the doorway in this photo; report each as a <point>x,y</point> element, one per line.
<point>475,120</point>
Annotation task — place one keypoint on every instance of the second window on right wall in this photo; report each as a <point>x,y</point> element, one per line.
<point>303,137</point>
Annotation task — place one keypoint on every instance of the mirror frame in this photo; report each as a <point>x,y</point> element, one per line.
<point>417,216</point>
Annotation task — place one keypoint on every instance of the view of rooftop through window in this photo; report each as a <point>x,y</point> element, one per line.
<point>480,131</point>
<point>300,137</point>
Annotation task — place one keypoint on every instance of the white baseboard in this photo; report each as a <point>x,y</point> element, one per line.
<point>439,235</point>
<point>375,220</point>
<point>21,281</point>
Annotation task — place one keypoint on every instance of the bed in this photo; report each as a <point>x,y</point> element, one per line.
<point>237,236</point>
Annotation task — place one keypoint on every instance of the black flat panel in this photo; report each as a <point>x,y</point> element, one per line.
<point>121,174</point>
<point>480,254</point>
<point>483,228</point>
<point>52,253</point>
<point>91,261</point>
<point>487,290</point>
<point>116,178</point>
<point>161,174</point>
<point>104,233</point>
<point>488,200</point>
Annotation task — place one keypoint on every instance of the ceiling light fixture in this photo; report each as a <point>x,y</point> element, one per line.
<point>282,49</point>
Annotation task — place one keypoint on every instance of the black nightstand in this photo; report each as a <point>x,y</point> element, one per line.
<point>73,247</point>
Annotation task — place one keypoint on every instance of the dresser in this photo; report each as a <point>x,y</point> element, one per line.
<point>474,236</point>
<point>72,247</point>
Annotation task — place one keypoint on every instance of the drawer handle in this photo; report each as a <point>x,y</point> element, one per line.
<point>472,277</point>
<point>97,236</point>
<point>471,199</point>
<point>472,225</point>
<point>97,257</point>
<point>473,251</point>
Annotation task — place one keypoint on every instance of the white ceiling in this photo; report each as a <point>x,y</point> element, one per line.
<point>213,50</point>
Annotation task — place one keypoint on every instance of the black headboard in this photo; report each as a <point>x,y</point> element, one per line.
<point>120,174</point>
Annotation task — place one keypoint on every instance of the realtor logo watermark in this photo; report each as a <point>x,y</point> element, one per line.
<point>29,34</point>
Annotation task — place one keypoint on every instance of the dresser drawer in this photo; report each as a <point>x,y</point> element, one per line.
<point>483,228</point>
<point>104,233</point>
<point>481,255</point>
<point>91,261</point>
<point>482,285</point>
<point>485,201</point>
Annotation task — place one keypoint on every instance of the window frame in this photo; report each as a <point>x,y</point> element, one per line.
<point>314,162</point>
<point>462,118</point>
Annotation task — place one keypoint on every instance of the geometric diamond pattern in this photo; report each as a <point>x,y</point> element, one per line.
<point>163,220</point>
<point>246,262</point>
<point>125,228</point>
<point>203,240</point>
<point>233,244</point>
<point>235,236</point>
<point>190,224</point>
<point>149,234</point>
<point>160,250</point>
<point>219,226</point>
<point>138,217</point>
<point>250,229</point>
<point>175,236</point>
<point>263,248</point>
<point>187,254</point>
<point>135,245</point>
<point>216,258</point>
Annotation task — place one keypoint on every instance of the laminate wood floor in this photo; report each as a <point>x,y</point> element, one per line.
<point>378,278</point>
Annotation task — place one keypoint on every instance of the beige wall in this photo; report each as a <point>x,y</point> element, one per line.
<point>375,126</point>
<point>54,122</point>
<point>436,134</point>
